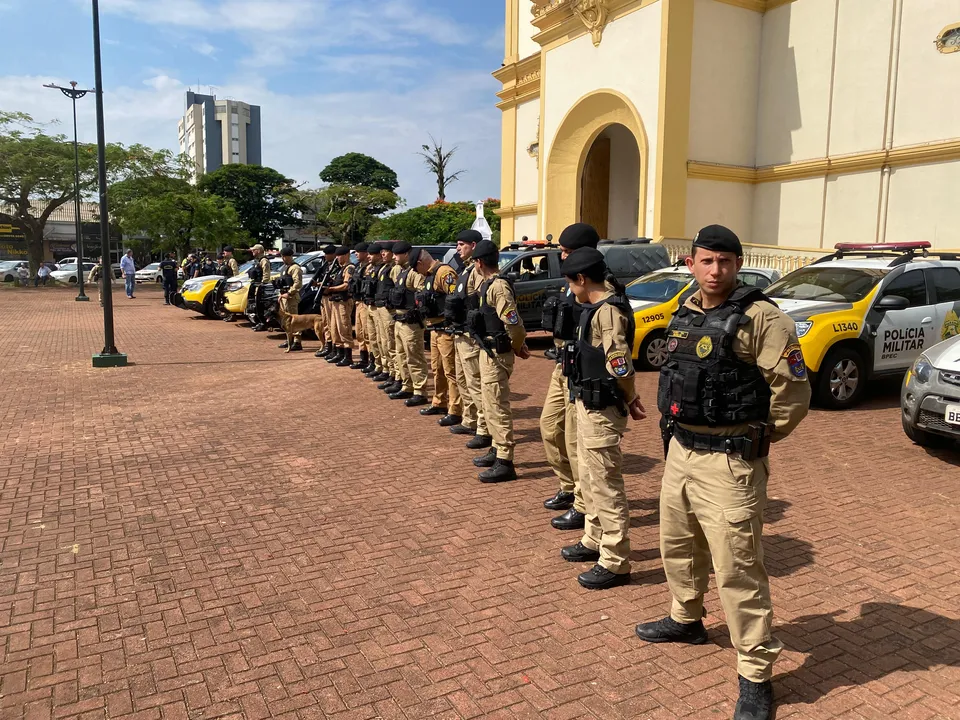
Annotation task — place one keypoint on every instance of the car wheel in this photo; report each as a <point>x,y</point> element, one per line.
<point>73,280</point>
<point>653,351</point>
<point>842,379</point>
<point>158,281</point>
<point>922,437</point>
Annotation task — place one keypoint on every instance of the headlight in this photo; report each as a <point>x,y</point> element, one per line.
<point>803,328</point>
<point>234,286</point>
<point>922,370</point>
<point>191,287</point>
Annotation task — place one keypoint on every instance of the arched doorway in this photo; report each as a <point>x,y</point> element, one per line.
<point>597,168</point>
<point>610,184</point>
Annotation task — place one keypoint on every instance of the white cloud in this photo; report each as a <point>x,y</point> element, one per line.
<point>205,48</point>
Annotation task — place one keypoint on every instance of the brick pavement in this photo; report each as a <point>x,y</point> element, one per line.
<point>221,530</point>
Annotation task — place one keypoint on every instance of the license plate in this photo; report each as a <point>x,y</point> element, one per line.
<point>952,415</point>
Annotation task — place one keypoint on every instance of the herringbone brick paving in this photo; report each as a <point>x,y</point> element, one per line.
<point>222,530</point>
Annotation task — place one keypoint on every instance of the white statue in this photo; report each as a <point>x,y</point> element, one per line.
<point>481,225</point>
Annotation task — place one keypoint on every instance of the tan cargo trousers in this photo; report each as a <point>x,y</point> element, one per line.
<point>373,335</point>
<point>410,339</point>
<point>362,328</point>
<point>558,428</point>
<point>341,331</point>
<point>468,382</point>
<point>443,362</point>
<point>711,506</point>
<point>495,375</point>
<point>387,341</point>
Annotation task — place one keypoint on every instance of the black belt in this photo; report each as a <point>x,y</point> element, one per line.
<point>727,444</point>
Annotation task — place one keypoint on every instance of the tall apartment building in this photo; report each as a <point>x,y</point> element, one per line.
<point>219,132</point>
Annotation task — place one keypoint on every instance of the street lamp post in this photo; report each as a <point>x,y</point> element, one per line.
<point>109,356</point>
<point>74,95</point>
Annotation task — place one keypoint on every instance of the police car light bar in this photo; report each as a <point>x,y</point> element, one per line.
<point>883,247</point>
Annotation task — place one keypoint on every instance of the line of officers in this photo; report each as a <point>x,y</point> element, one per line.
<point>735,381</point>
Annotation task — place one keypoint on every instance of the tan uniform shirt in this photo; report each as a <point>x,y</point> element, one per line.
<point>232,264</point>
<point>769,341</point>
<point>295,272</point>
<point>500,296</point>
<point>265,268</point>
<point>608,330</point>
<point>348,272</point>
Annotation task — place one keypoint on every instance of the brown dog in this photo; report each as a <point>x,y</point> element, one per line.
<point>298,323</point>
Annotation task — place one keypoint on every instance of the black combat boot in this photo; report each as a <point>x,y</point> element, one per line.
<point>382,376</point>
<point>462,430</point>
<point>371,371</point>
<point>401,394</point>
<point>450,420</point>
<point>502,471</point>
<point>669,630</point>
<point>394,387</point>
<point>363,362</point>
<point>756,700</point>
<point>579,553</point>
<point>487,460</point>
<point>297,345</point>
<point>570,520</point>
<point>325,350</point>
<point>599,578</point>
<point>283,345</point>
<point>336,356</point>
<point>346,358</point>
<point>416,401</point>
<point>561,501</point>
<point>478,442</point>
<point>434,410</point>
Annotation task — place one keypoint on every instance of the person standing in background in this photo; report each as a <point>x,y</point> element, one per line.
<point>129,270</point>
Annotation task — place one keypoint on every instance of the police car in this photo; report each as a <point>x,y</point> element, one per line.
<point>655,297</point>
<point>869,311</point>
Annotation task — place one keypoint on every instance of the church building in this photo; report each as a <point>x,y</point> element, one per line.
<point>797,123</point>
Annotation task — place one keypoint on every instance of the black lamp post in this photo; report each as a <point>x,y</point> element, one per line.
<point>109,356</point>
<point>74,94</point>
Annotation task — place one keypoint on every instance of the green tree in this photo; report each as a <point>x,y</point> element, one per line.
<point>347,212</point>
<point>37,173</point>
<point>265,200</point>
<point>359,169</point>
<point>435,224</point>
<point>438,163</point>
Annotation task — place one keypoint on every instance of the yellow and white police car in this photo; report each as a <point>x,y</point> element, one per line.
<point>655,297</point>
<point>868,311</point>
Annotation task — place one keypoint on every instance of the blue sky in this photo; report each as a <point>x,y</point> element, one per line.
<point>332,76</point>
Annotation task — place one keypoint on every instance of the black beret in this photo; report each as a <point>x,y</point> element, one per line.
<point>361,247</point>
<point>342,250</point>
<point>329,249</point>
<point>415,255</point>
<point>372,248</point>
<point>579,235</point>
<point>581,260</point>
<point>401,247</point>
<point>228,248</point>
<point>286,251</point>
<point>386,247</point>
<point>469,236</point>
<point>484,250</point>
<point>719,239</point>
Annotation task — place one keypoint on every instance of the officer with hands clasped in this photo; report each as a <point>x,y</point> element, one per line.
<point>290,298</point>
<point>734,381</point>
<point>336,293</point>
<point>600,378</point>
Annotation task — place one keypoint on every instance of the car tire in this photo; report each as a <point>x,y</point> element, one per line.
<point>653,351</point>
<point>842,379</point>
<point>158,281</point>
<point>922,437</point>
<point>73,281</point>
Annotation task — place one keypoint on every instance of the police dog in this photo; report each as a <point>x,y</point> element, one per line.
<point>291,324</point>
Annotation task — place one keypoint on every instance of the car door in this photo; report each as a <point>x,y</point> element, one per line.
<point>750,278</point>
<point>532,283</point>
<point>944,286</point>
<point>903,334</point>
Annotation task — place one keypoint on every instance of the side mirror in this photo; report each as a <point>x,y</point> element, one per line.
<point>892,302</point>
<point>513,275</point>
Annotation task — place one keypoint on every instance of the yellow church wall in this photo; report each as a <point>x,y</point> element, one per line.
<point>850,213</point>
<point>723,87</point>
<point>526,225</point>
<point>727,203</point>
<point>527,46</point>
<point>577,68</point>
<point>923,204</point>
<point>788,213</point>
<point>527,173</point>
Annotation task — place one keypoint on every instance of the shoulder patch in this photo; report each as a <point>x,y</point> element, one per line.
<point>513,318</point>
<point>704,347</point>
<point>794,357</point>
<point>618,363</point>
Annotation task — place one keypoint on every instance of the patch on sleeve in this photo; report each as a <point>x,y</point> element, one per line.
<point>617,360</point>
<point>794,357</point>
<point>449,282</point>
<point>513,318</point>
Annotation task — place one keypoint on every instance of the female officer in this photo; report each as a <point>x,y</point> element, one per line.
<point>599,372</point>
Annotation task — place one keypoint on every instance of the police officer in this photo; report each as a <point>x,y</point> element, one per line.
<point>260,261</point>
<point>340,304</point>
<point>497,325</point>
<point>168,270</point>
<point>599,373</point>
<point>361,324</point>
<point>230,267</point>
<point>322,278</point>
<point>389,379</point>
<point>558,420</point>
<point>369,291</point>
<point>463,299</point>
<point>735,380</point>
<point>290,299</point>
<point>440,280</point>
<point>207,267</point>
<point>409,326</point>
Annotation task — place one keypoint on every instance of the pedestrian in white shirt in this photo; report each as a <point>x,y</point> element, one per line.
<point>129,272</point>
<point>42,274</point>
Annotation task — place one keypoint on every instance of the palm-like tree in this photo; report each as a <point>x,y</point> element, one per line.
<point>438,163</point>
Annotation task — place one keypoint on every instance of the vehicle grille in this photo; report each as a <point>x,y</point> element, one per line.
<point>935,421</point>
<point>950,377</point>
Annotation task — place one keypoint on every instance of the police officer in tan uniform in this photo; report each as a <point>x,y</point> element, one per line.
<point>230,262</point>
<point>261,260</point>
<point>409,327</point>
<point>386,337</point>
<point>558,419</point>
<point>322,279</point>
<point>369,291</point>
<point>290,300</point>
<point>361,328</point>
<point>734,382</point>
<point>497,324</point>
<point>336,294</point>
<point>599,373</point>
<point>440,280</point>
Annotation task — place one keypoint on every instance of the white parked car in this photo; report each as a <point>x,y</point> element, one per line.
<point>151,273</point>
<point>68,273</point>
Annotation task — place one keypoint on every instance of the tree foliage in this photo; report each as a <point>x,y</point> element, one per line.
<point>438,164</point>
<point>347,212</point>
<point>265,200</point>
<point>357,169</point>
<point>37,173</point>
<point>435,224</point>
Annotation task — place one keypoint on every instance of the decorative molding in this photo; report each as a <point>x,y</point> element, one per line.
<point>509,212</point>
<point>908,156</point>
<point>533,149</point>
<point>521,81</point>
<point>593,14</point>
<point>563,20</point>
<point>760,6</point>
<point>948,40</point>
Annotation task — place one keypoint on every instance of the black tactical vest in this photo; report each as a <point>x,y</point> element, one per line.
<point>384,285</point>
<point>703,382</point>
<point>560,316</point>
<point>401,297</point>
<point>368,284</point>
<point>356,282</point>
<point>430,301</point>
<point>255,273</point>
<point>486,322</point>
<point>335,278</point>
<point>586,369</point>
<point>458,302</point>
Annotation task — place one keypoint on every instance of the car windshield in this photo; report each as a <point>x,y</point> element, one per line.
<point>506,258</point>
<point>658,286</point>
<point>68,268</point>
<point>152,266</point>
<point>9,264</point>
<point>246,266</point>
<point>837,284</point>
